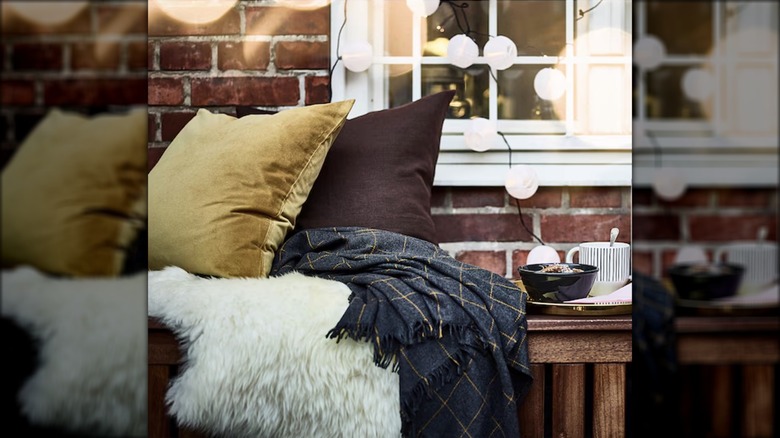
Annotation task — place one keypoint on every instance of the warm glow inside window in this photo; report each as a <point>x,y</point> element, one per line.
<point>577,134</point>
<point>705,94</point>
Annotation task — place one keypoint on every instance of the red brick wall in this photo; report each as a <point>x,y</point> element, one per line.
<point>95,60</point>
<point>263,55</point>
<point>481,225</point>
<point>703,217</point>
<point>256,54</point>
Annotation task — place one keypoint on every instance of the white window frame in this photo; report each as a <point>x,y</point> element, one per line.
<point>559,156</point>
<point>703,150</point>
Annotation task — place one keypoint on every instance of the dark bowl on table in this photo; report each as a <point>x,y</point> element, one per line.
<point>698,281</point>
<point>553,287</point>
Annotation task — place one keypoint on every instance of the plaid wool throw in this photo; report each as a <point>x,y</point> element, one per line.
<point>455,333</point>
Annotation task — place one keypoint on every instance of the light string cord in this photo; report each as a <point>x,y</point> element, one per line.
<point>338,55</point>
<point>517,201</point>
<point>657,152</point>
<point>468,31</point>
<point>583,13</point>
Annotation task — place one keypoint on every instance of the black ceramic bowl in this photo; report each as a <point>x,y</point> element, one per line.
<point>697,281</point>
<point>551,287</point>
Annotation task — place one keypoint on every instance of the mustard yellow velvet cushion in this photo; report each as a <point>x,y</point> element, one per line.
<point>74,194</point>
<point>226,191</point>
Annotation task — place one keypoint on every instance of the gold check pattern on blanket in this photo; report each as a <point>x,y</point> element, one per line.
<point>455,333</point>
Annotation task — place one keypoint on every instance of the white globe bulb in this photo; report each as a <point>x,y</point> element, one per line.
<point>195,11</point>
<point>669,184</point>
<point>697,84</point>
<point>462,51</point>
<point>549,83</point>
<point>423,8</point>
<point>521,182</point>
<point>649,52</point>
<point>480,134</point>
<point>303,5</point>
<point>500,52</point>
<point>690,254</point>
<point>543,254</point>
<point>357,56</point>
<point>48,13</point>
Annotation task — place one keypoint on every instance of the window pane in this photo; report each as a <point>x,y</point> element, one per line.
<point>665,98</point>
<point>399,33</point>
<point>471,85</point>
<point>603,31</point>
<point>602,101</point>
<point>398,84</point>
<point>684,27</point>
<point>443,24</point>
<point>537,27</point>
<point>517,98</point>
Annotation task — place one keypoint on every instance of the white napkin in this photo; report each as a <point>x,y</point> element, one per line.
<point>622,295</point>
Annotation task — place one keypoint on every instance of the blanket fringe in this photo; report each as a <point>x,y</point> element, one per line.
<point>386,349</point>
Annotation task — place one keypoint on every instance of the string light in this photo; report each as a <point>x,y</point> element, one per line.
<point>500,52</point>
<point>668,183</point>
<point>521,181</point>
<point>480,134</point>
<point>462,51</point>
<point>697,84</point>
<point>357,56</point>
<point>543,254</point>
<point>550,83</point>
<point>649,52</point>
<point>423,8</point>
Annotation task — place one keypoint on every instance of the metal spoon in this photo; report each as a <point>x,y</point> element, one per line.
<point>613,233</point>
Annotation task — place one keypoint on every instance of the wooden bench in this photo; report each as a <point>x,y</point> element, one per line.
<point>579,366</point>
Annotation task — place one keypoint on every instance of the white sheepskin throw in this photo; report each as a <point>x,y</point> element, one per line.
<point>258,363</point>
<point>92,333</point>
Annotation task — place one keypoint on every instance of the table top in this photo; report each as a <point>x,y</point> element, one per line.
<point>579,323</point>
<point>726,324</point>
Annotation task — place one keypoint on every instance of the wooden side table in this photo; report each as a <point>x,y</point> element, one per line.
<point>728,374</point>
<point>579,366</point>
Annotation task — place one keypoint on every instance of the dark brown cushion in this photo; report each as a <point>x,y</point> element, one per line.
<point>379,172</point>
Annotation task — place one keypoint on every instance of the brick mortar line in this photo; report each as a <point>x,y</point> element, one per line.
<point>514,245</point>
<point>508,264</point>
<point>205,74</point>
<point>682,225</point>
<point>124,58</point>
<point>554,211</point>
<point>214,59</point>
<point>76,38</point>
<point>187,91</point>
<point>242,18</point>
<point>165,109</point>
<point>301,90</point>
<point>37,76</point>
<point>237,38</point>
<point>67,59</point>
<point>719,211</point>
<point>158,126</point>
<point>155,56</point>
<point>663,244</point>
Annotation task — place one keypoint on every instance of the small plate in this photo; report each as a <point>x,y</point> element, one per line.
<point>571,309</point>
<point>567,309</point>
<point>714,308</point>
